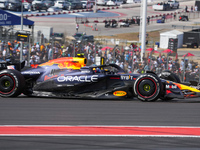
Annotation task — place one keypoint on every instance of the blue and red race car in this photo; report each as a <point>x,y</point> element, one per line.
<point>69,77</point>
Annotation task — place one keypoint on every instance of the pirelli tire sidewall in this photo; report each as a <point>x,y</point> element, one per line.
<point>15,83</point>
<point>157,91</point>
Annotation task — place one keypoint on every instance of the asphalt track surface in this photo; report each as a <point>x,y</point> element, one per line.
<point>98,116</point>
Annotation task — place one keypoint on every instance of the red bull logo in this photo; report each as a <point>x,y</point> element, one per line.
<point>67,62</point>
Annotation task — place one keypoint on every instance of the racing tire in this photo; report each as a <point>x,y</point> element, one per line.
<point>147,87</point>
<point>168,75</point>
<point>11,83</point>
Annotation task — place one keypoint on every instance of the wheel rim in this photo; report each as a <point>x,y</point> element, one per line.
<point>7,84</point>
<point>146,87</point>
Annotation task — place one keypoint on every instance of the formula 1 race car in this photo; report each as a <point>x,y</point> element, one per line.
<point>69,77</point>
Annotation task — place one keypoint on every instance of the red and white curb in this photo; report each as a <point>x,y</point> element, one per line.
<point>126,131</point>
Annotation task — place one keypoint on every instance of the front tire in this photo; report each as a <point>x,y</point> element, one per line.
<point>11,83</point>
<point>147,87</point>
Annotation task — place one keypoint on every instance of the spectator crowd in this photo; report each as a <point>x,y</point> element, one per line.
<point>127,58</point>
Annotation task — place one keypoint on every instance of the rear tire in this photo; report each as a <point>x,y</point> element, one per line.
<point>147,87</point>
<point>11,83</point>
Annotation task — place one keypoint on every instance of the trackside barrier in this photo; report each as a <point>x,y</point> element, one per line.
<point>174,16</point>
<point>152,19</point>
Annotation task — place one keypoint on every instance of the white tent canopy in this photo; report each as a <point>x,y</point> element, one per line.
<point>165,36</point>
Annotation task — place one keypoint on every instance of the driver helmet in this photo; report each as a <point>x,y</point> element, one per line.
<point>98,70</point>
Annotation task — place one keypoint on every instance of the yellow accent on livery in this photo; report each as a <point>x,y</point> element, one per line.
<point>185,87</point>
<point>119,93</point>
